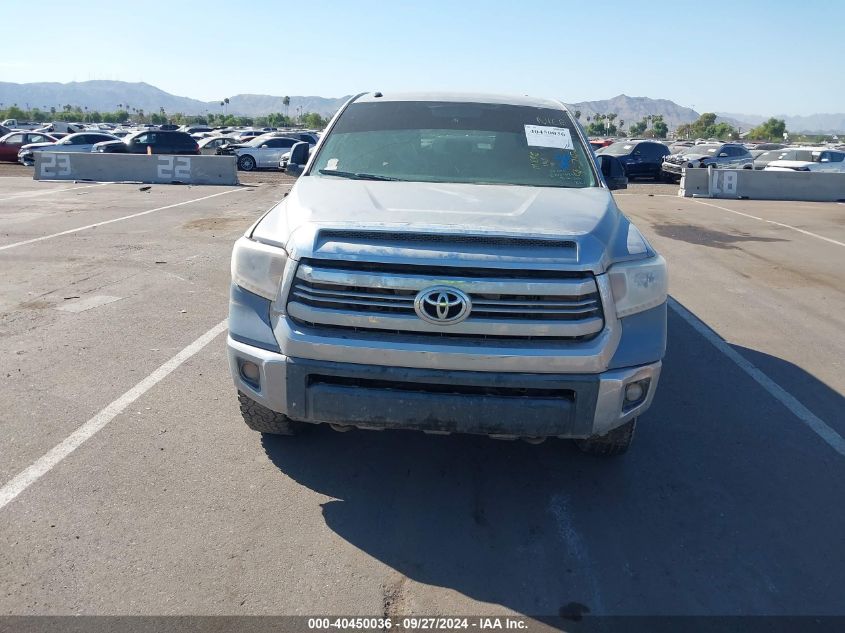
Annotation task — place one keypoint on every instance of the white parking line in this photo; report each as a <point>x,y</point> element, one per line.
<point>754,217</point>
<point>125,217</point>
<point>816,424</point>
<point>44,464</point>
<point>33,194</point>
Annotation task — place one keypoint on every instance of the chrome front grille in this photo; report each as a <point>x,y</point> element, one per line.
<point>515,304</point>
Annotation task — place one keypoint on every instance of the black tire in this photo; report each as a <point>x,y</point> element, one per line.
<point>260,418</point>
<point>246,163</point>
<point>616,442</point>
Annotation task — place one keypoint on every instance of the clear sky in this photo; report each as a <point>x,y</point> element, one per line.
<point>742,56</point>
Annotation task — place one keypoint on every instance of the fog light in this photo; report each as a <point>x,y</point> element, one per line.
<point>250,371</point>
<point>634,392</point>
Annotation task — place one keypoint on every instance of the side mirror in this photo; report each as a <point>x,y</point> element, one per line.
<point>613,172</point>
<point>298,158</point>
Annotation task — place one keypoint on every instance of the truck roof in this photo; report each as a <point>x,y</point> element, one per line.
<point>460,97</point>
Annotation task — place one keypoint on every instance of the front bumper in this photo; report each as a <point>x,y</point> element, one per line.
<point>673,168</point>
<point>439,400</point>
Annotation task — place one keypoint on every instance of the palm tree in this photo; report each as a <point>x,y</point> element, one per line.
<point>226,101</point>
<point>610,117</point>
<point>286,103</point>
<point>600,118</point>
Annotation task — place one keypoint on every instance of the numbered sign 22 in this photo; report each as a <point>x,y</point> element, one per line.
<point>174,168</point>
<point>54,165</point>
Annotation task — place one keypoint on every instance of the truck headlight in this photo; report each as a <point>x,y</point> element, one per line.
<point>638,285</point>
<point>258,268</point>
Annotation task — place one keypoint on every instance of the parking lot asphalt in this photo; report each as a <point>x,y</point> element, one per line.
<point>730,501</point>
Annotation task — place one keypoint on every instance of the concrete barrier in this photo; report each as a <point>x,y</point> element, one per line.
<point>763,185</point>
<point>157,169</point>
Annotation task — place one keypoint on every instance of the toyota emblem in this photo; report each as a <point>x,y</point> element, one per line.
<point>442,305</point>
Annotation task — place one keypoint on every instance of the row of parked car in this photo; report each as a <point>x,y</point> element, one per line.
<point>656,160</point>
<point>265,148</point>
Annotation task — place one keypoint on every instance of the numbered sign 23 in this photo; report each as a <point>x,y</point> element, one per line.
<point>174,167</point>
<point>723,181</point>
<point>53,165</point>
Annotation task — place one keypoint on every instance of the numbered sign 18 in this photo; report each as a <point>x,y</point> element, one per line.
<point>723,181</point>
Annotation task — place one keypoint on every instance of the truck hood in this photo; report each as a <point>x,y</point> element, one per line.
<point>393,222</point>
<point>684,157</point>
<point>110,144</point>
<point>791,164</point>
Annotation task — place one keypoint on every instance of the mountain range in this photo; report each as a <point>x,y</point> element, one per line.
<point>107,95</point>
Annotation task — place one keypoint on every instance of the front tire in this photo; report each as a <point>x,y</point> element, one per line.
<point>617,442</point>
<point>260,418</point>
<point>246,163</point>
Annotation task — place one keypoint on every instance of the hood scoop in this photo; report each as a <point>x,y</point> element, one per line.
<point>440,247</point>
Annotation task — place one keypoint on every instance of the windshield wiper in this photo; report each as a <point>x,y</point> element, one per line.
<point>354,175</point>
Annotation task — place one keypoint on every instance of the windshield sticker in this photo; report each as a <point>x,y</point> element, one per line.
<point>563,159</point>
<point>544,120</point>
<point>332,164</point>
<point>544,136</point>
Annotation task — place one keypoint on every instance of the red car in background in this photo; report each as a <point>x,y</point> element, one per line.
<point>11,144</point>
<point>598,144</point>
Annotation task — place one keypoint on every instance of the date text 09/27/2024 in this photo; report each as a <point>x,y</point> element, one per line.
<point>417,623</point>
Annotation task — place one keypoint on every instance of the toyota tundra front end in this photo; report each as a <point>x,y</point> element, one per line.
<point>449,263</point>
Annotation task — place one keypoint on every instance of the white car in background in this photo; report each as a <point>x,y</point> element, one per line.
<point>824,160</point>
<point>312,138</point>
<point>209,145</point>
<point>264,152</point>
<point>79,142</point>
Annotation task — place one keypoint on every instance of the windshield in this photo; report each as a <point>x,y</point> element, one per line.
<point>431,141</point>
<point>775,154</point>
<point>256,141</point>
<point>618,149</point>
<point>701,149</point>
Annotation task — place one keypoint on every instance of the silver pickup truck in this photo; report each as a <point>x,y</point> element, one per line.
<point>448,263</point>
